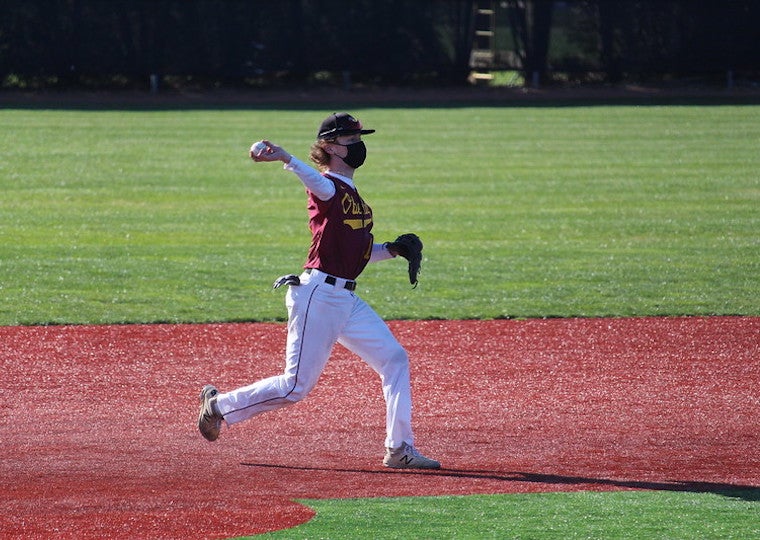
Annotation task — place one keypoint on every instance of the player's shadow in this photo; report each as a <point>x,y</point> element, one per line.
<point>747,493</point>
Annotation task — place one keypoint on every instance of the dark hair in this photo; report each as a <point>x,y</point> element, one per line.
<point>319,155</point>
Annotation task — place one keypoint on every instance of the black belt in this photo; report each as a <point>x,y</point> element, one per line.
<point>332,280</point>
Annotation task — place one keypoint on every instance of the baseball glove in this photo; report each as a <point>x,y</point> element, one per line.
<point>409,246</point>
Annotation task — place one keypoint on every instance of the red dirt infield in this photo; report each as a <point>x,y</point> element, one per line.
<point>99,435</point>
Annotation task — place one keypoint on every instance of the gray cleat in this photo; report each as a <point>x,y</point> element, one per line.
<point>209,421</point>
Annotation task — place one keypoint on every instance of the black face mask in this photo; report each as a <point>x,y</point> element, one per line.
<point>356,155</point>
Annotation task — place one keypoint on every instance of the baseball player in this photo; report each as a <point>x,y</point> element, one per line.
<point>323,307</point>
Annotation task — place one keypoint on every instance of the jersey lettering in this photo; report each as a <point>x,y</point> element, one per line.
<point>352,207</point>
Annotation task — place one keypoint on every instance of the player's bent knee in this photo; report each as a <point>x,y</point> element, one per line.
<point>295,396</point>
<point>298,392</point>
<point>399,357</point>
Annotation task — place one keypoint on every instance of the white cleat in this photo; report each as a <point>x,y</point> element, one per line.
<point>406,456</point>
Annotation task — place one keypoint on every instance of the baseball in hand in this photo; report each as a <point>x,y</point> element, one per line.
<point>257,148</point>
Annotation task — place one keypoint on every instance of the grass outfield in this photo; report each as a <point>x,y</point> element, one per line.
<point>117,217</point>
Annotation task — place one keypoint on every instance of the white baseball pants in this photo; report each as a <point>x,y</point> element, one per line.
<point>319,315</point>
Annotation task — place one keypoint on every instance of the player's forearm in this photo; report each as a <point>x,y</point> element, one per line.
<point>380,252</point>
<point>320,186</point>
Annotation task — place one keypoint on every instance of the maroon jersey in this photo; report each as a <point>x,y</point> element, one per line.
<point>341,241</point>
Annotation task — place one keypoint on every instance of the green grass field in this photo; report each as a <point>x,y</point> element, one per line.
<point>112,216</point>
<point>559,516</point>
<point>154,216</point>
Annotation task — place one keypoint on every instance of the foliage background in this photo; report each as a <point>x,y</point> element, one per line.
<point>253,43</point>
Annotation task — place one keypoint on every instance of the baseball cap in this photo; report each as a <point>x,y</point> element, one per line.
<point>338,124</point>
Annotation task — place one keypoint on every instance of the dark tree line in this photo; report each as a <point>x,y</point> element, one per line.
<point>677,37</point>
<point>633,38</point>
<point>252,42</point>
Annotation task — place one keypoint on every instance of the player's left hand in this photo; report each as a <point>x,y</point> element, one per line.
<point>409,246</point>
